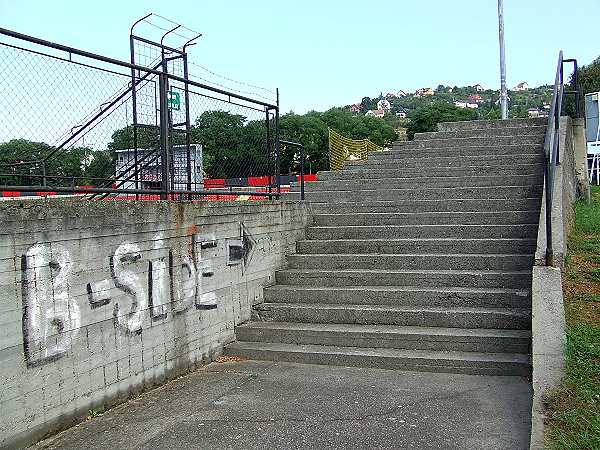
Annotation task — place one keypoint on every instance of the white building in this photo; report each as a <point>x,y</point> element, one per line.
<point>375,113</point>
<point>465,104</point>
<point>383,104</point>
<point>424,92</point>
<point>522,86</point>
<point>150,175</point>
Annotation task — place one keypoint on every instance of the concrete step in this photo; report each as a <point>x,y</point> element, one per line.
<point>400,296</point>
<point>538,131</point>
<point>427,218</point>
<point>491,124</point>
<point>427,161</point>
<point>419,316</point>
<point>520,279</point>
<point>488,205</point>
<point>415,246</point>
<point>422,193</point>
<point>358,172</point>
<point>412,261</point>
<point>387,336</point>
<point>400,359</point>
<point>482,141</point>
<point>437,182</point>
<point>410,150</point>
<point>422,231</point>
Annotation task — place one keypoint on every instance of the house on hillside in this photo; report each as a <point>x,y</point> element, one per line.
<point>476,98</point>
<point>383,104</point>
<point>522,86</point>
<point>355,108</point>
<point>391,95</point>
<point>479,88</point>
<point>401,114</point>
<point>375,113</point>
<point>536,112</point>
<point>401,93</point>
<point>466,104</point>
<point>424,92</point>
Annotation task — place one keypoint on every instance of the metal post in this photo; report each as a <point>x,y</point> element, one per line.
<point>548,213</point>
<point>302,157</point>
<point>134,112</point>
<point>188,127</point>
<point>302,172</point>
<point>277,148</point>
<point>269,153</point>
<point>44,172</point>
<point>503,90</point>
<point>164,134</point>
<point>577,91</point>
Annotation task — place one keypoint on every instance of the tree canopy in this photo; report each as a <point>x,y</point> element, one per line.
<point>427,117</point>
<point>24,162</point>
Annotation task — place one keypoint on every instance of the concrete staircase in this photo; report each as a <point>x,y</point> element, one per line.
<point>419,258</point>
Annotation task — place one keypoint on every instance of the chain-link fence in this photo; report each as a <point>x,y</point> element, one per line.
<point>81,124</point>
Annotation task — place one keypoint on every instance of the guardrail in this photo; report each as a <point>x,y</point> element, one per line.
<point>551,147</point>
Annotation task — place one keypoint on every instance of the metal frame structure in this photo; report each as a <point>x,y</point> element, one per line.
<point>141,74</point>
<point>302,157</point>
<point>551,143</point>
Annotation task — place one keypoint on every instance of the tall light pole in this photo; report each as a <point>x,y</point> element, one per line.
<point>503,92</point>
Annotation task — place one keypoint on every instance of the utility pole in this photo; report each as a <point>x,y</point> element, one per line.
<point>503,92</point>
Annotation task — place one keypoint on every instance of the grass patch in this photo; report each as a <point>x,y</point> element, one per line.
<point>573,411</point>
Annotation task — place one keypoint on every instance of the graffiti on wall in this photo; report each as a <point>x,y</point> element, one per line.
<point>139,281</point>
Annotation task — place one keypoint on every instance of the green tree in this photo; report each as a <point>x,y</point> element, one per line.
<point>231,146</point>
<point>426,118</point>
<point>311,129</point>
<point>24,162</point>
<point>122,139</point>
<point>368,103</point>
<point>589,81</point>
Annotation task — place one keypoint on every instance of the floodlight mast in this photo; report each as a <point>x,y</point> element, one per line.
<point>503,90</point>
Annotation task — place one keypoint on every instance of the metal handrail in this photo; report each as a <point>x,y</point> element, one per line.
<point>551,147</point>
<point>302,157</point>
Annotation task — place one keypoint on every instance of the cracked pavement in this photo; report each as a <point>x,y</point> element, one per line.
<point>266,405</point>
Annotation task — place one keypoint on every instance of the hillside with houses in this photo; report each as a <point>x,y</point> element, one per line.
<point>397,106</point>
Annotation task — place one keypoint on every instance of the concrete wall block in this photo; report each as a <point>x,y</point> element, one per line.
<point>103,299</point>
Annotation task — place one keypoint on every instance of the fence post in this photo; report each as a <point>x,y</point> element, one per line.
<point>277,148</point>
<point>164,135</point>
<point>302,156</point>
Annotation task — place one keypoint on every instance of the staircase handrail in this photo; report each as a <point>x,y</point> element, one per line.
<point>551,141</point>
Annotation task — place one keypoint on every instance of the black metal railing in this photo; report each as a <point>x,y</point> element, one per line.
<point>551,143</point>
<point>73,121</point>
<point>302,160</point>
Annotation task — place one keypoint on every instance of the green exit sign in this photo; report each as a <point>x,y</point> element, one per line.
<point>174,101</point>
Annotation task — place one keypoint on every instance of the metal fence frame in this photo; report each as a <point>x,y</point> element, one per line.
<point>166,191</point>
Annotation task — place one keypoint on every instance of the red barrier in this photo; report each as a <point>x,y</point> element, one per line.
<point>258,181</point>
<point>213,183</point>
<point>308,178</point>
<point>10,194</point>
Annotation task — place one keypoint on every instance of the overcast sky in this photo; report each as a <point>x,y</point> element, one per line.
<point>333,52</point>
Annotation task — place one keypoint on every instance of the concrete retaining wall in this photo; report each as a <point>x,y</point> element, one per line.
<point>101,300</point>
<point>548,315</point>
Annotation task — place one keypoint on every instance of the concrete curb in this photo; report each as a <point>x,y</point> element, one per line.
<point>548,338</point>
